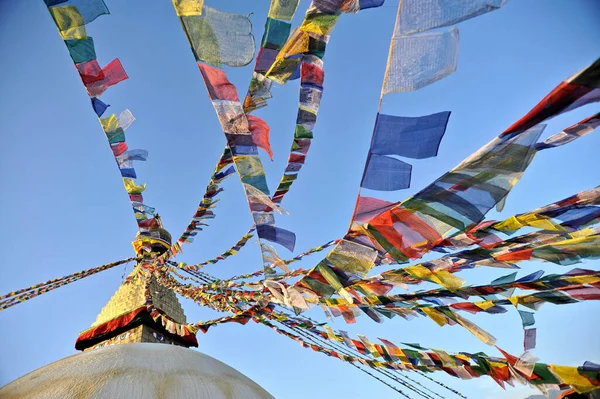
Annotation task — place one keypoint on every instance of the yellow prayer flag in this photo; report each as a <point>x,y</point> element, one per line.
<point>321,24</point>
<point>540,222</point>
<point>283,9</point>
<point>331,335</point>
<point>510,224</point>
<point>582,279</point>
<point>570,375</point>
<point>249,165</point>
<point>186,8</point>
<point>441,277</point>
<point>77,32</point>
<point>109,123</point>
<point>477,331</point>
<point>436,316</point>
<point>66,17</point>
<point>446,359</point>
<point>131,187</point>
<point>403,358</point>
<point>484,305</point>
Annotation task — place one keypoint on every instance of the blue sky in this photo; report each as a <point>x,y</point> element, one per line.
<point>64,208</point>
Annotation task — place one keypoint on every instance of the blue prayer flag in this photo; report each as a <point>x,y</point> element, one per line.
<point>128,172</point>
<point>411,137</point>
<point>364,4</point>
<point>99,106</point>
<point>278,235</point>
<point>386,174</point>
<point>527,318</point>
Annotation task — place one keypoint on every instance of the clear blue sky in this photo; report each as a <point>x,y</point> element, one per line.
<point>64,208</point>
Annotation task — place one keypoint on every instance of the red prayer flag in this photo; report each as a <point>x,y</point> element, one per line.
<point>219,87</point>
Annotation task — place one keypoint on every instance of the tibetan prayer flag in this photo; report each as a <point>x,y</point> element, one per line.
<point>128,172</point>
<point>125,159</point>
<point>311,74</point>
<point>352,257</point>
<point>531,277</point>
<point>97,83</point>
<point>260,133</point>
<point>99,106</point>
<point>118,148</point>
<point>275,36</point>
<point>133,188</point>
<point>125,119</point>
<point>220,38</point>
<point>81,50</point>
<point>529,342</point>
<point>278,235</point>
<point>383,173</point>
<point>73,13</point>
<point>527,318</point>
<point>283,9</point>
<point>217,84</point>
<point>185,8</point>
<point>418,60</point>
<point>365,4</point>
<point>367,208</point>
<point>422,15</point>
<point>409,137</point>
<point>571,133</point>
<point>232,117</point>
<point>580,89</point>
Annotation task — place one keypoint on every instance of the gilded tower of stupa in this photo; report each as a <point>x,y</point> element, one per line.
<point>138,347</point>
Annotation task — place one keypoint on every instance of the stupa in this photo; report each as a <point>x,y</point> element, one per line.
<point>137,347</point>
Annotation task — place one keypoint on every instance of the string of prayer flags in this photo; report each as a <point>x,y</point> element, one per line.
<point>276,33</point>
<point>566,215</point>
<point>447,216</point>
<point>235,125</point>
<point>301,55</point>
<point>472,258</point>
<point>71,17</point>
<point>571,133</point>
<point>457,365</point>
<point>208,201</point>
<point>423,15</point>
<point>114,128</point>
<point>19,296</point>
<point>580,89</point>
<point>459,198</point>
<point>311,90</point>
<point>218,37</point>
<point>230,252</point>
<point>571,281</point>
<point>310,38</point>
<point>420,59</point>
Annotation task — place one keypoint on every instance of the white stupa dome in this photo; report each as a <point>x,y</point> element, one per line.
<point>141,370</point>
